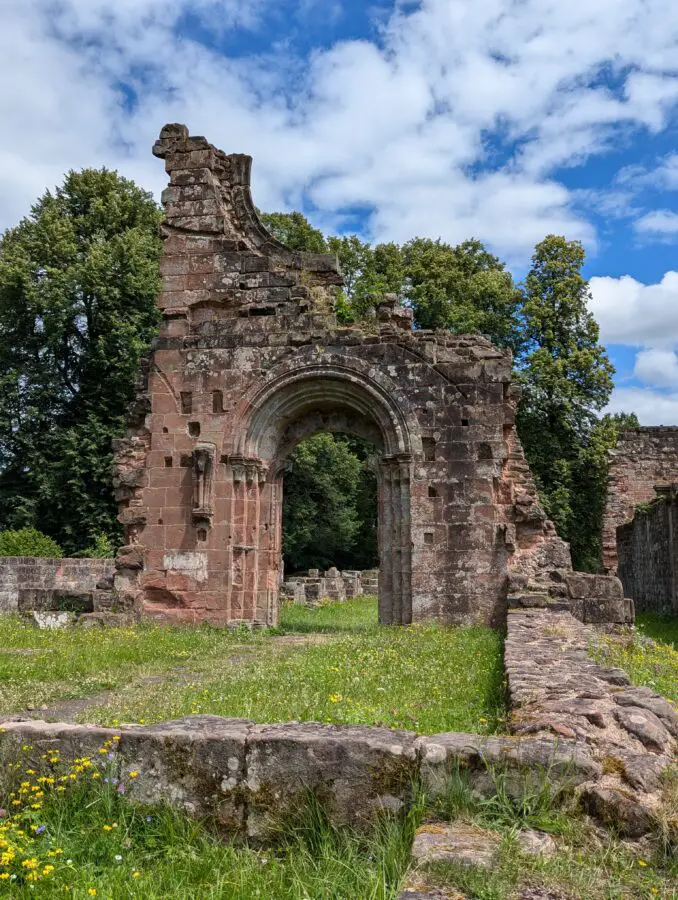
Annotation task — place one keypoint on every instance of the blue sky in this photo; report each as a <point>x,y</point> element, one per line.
<point>500,119</point>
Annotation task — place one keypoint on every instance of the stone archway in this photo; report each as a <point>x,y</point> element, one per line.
<point>332,396</point>
<point>249,359</point>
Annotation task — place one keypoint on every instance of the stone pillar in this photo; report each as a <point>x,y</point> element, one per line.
<point>395,549</point>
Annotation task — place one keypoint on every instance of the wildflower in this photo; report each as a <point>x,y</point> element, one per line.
<point>92,892</point>
<point>30,863</point>
<point>4,876</point>
<point>117,857</point>
<point>40,829</point>
<point>642,863</point>
<point>133,774</point>
<point>47,870</point>
<point>108,827</point>
<point>136,874</point>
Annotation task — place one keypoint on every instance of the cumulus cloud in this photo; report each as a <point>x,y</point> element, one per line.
<point>652,407</point>
<point>630,312</point>
<point>660,222</point>
<point>399,125</point>
<point>657,367</point>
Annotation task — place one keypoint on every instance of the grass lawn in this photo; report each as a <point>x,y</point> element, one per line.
<point>653,662</point>
<point>332,664</point>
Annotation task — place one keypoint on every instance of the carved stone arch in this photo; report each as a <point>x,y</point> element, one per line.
<point>312,380</point>
<point>292,403</point>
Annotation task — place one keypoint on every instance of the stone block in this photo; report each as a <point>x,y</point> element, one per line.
<point>338,764</point>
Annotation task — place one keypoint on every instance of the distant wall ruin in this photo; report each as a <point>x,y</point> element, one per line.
<point>648,554</point>
<point>33,582</point>
<point>644,457</point>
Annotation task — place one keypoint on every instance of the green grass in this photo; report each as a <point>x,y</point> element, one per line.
<point>654,662</point>
<point>346,670</point>
<point>90,841</point>
<point>40,666</point>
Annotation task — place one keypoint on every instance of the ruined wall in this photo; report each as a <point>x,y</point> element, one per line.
<point>22,576</point>
<point>648,555</point>
<point>644,457</point>
<point>249,361</point>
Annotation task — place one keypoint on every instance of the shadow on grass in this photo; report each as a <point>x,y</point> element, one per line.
<point>659,628</point>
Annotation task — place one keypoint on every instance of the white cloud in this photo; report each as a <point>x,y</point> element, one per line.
<point>651,407</point>
<point>630,312</point>
<point>663,176</point>
<point>398,126</point>
<point>657,367</point>
<point>660,222</point>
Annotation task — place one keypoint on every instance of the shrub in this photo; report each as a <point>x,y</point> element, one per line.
<point>102,548</point>
<point>28,542</point>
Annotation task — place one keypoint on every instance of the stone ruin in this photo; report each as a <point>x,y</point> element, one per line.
<point>249,361</point>
<point>333,585</point>
<point>644,458</point>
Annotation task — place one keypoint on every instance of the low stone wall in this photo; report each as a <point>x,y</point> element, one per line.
<point>557,691</point>
<point>647,551</point>
<point>247,777</point>
<point>32,582</point>
<point>330,585</point>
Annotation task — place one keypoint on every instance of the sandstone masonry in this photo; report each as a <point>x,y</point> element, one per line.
<point>647,548</point>
<point>644,457</point>
<point>249,361</point>
<point>30,583</point>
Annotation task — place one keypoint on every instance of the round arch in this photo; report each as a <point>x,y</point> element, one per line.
<point>341,395</point>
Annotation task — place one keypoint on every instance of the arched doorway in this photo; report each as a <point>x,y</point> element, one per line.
<point>325,396</point>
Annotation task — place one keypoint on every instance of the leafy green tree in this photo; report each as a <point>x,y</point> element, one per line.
<point>295,231</point>
<point>325,515</point>
<point>28,542</point>
<point>464,289</point>
<point>78,281</point>
<point>590,480</point>
<point>567,379</point>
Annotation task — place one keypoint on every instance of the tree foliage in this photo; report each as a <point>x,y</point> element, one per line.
<point>567,380</point>
<point>78,281</point>
<point>329,508</point>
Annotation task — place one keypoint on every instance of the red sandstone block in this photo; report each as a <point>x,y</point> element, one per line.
<point>175,283</point>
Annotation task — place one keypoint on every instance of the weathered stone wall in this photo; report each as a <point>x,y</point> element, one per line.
<point>644,457</point>
<point>249,361</point>
<point>556,690</point>
<point>246,777</point>
<point>29,582</point>
<point>647,549</point>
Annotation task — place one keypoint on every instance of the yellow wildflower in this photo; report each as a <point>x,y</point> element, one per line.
<point>136,874</point>
<point>133,774</point>
<point>92,892</point>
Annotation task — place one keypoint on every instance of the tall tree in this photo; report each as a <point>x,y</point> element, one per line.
<point>78,281</point>
<point>566,374</point>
